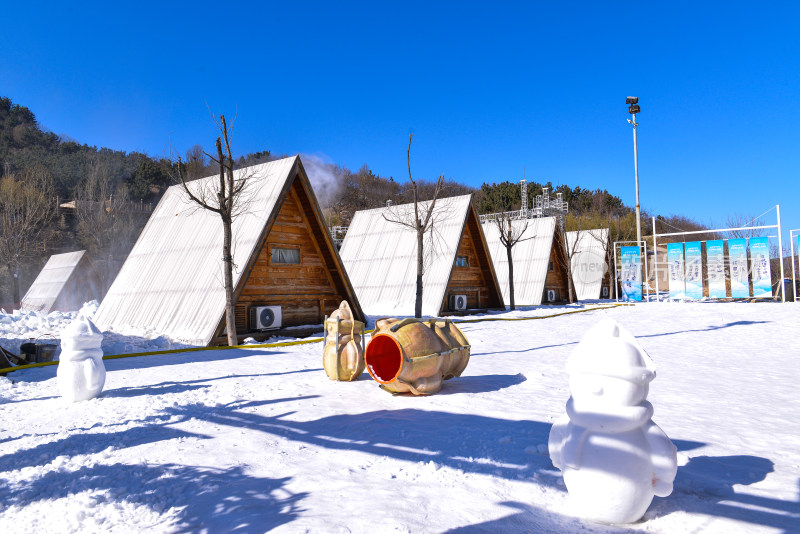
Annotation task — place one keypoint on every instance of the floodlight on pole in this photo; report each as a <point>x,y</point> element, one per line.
<point>633,109</point>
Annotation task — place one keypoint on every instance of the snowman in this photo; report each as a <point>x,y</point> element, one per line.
<point>81,373</point>
<point>613,457</point>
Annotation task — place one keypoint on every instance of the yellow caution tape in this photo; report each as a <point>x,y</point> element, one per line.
<point>299,342</point>
<point>539,317</point>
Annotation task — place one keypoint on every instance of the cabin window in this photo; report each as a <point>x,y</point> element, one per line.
<point>462,261</point>
<point>550,266</point>
<point>285,255</point>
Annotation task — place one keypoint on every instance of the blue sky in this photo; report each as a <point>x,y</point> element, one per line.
<point>489,89</point>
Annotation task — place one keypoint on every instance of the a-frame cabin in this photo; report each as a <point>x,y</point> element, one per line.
<point>380,255</point>
<point>288,273</point>
<point>590,252</point>
<point>540,263</point>
<point>65,283</point>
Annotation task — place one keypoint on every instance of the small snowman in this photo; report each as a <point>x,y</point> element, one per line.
<point>613,457</point>
<point>81,373</point>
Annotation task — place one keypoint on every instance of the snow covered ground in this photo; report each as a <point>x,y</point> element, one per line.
<point>19,326</point>
<point>259,439</point>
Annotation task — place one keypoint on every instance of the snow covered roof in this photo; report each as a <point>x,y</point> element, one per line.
<point>172,281</point>
<point>588,261</point>
<point>381,256</point>
<point>531,257</point>
<point>52,288</point>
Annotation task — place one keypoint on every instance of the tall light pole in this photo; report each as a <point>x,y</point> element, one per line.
<point>633,109</point>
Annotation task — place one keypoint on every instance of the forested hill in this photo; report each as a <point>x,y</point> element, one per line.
<point>24,144</point>
<point>98,199</point>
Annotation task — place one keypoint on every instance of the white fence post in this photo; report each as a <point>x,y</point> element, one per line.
<point>780,254</point>
<point>655,259</point>
<point>794,275</point>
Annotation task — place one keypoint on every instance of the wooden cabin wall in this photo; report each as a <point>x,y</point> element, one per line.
<point>472,281</point>
<point>556,278</point>
<point>606,282</point>
<point>306,291</point>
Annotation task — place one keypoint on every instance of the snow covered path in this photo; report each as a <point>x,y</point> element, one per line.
<point>256,440</point>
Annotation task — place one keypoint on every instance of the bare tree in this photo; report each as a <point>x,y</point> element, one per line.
<point>569,253</point>
<point>108,223</point>
<point>510,235</point>
<point>27,207</point>
<point>604,240</point>
<point>421,223</point>
<point>739,220</point>
<point>195,164</point>
<point>225,199</point>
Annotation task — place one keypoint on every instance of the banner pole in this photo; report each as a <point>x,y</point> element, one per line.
<point>646,272</point>
<point>616,291</point>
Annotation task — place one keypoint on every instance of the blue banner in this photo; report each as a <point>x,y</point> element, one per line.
<point>759,267</point>
<point>694,270</point>
<point>715,262</point>
<point>737,254</point>
<point>677,288</point>
<point>631,273</point>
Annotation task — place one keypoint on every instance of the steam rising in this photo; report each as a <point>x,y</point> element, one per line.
<point>323,177</point>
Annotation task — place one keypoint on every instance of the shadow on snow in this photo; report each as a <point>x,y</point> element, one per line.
<point>467,442</point>
<point>193,498</point>
<point>707,329</point>
<point>705,485</point>
<point>40,374</point>
<point>532,519</point>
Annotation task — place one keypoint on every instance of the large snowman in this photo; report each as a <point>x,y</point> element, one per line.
<point>81,373</point>
<point>613,457</point>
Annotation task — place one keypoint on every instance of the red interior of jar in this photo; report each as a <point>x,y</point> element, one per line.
<point>384,358</point>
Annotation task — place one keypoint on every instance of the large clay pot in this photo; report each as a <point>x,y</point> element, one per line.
<point>343,355</point>
<point>413,356</point>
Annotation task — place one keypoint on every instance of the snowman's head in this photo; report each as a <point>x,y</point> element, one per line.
<point>80,334</point>
<point>608,367</point>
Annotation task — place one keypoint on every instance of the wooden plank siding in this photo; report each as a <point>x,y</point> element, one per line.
<point>556,278</point>
<point>306,291</point>
<point>606,283</point>
<point>476,281</point>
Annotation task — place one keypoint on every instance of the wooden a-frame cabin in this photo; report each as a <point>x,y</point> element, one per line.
<point>540,266</point>
<point>288,272</point>
<point>381,258</point>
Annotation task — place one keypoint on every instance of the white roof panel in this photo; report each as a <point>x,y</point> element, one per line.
<point>531,257</point>
<point>381,256</point>
<point>172,281</point>
<point>588,261</point>
<point>52,279</point>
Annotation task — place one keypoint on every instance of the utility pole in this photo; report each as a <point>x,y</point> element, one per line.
<point>633,109</point>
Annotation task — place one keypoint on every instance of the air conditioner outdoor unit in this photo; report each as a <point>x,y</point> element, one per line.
<point>551,295</point>
<point>265,317</point>
<point>604,292</point>
<point>458,302</point>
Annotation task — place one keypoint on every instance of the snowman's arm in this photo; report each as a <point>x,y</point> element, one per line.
<point>558,434</point>
<point>664,456</point>
<point>90,373</point>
